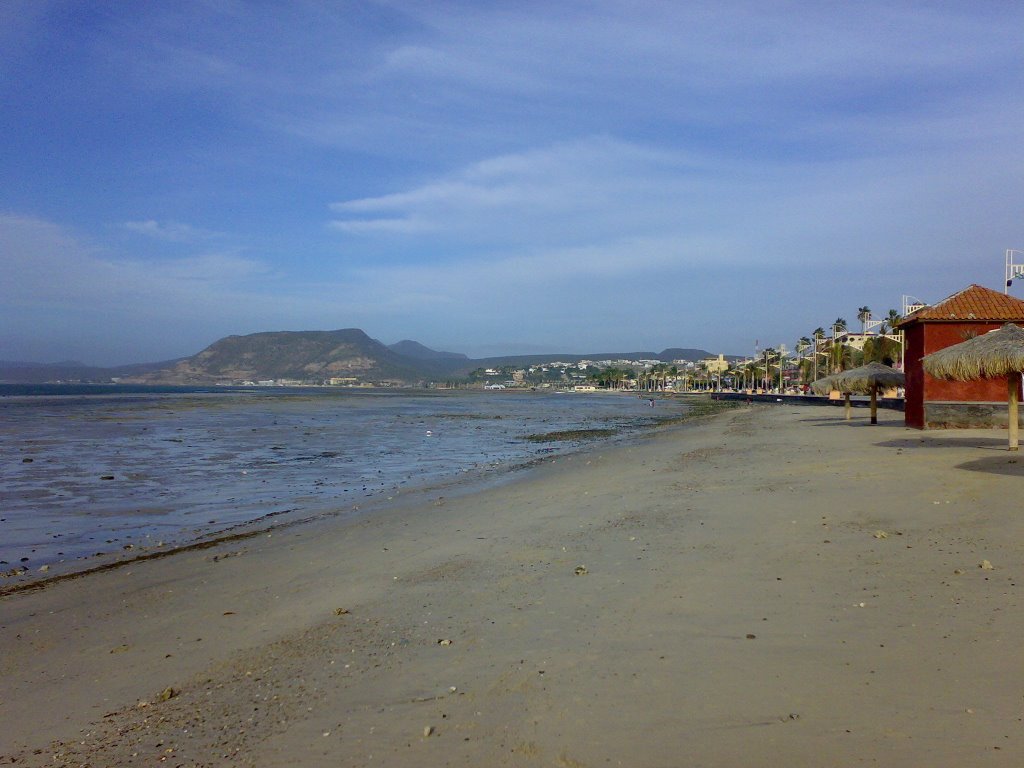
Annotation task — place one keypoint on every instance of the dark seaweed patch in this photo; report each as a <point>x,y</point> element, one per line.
<point>571,434</point>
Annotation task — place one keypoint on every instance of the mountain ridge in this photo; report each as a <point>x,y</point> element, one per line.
<point>347,354</point>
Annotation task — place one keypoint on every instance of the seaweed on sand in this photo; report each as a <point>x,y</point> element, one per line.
<point>570,434</point>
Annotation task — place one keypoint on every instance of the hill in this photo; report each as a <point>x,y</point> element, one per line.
<point>291,355</point>
<point>310,356</point>
<point>18,372</point>
<point>417,351</point>
<point>666,355</point>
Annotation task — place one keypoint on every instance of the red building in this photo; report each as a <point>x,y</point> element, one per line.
<point>933,403</point>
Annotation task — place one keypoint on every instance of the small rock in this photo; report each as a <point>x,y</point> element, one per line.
<point>340,611</point>
<point>580,570</point>
<point>44,568</point>
<point>985,565</point>
<point>27,461</point>
<point>428,731</point>
<point>444,642</point>
<point>106,477</point>
<point>881,535</point>
<point>167,694</point>
<point>751,636</point>
<point>957,571</point>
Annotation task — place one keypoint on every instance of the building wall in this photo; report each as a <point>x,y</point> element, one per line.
<point>935,403</point>
<point>914,390</point>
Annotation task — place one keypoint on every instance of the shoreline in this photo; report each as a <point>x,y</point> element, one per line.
<point>770,586</point>
<point>478,479</point>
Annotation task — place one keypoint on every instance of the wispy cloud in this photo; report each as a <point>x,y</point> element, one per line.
<point>58,283</point>
<point>170,231</point>
<point>454,164</point>
<point>573,192</point>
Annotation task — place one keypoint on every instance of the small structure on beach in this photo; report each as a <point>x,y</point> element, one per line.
<point>997,354</point>
<point>827,386</point>
<point>935,403</point>
<point>870,379</point>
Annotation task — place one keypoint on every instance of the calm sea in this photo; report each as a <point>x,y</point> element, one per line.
<point>90,471</point>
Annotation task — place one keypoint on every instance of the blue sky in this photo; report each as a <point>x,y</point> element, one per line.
<point>497,177</point>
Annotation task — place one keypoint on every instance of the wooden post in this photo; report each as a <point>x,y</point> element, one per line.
<point>846,405</point>
<point>874,405</point>
<point>1012,380</point>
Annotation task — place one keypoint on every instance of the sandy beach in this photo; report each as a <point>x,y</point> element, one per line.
<point>771,586</point>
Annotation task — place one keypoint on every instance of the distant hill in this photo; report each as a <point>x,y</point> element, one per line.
<point>667,355</point>
<point>13,364</point>
<point>295,355</point>
<point>17,372</point>
<point>309,356</point>
<point>417,351</point>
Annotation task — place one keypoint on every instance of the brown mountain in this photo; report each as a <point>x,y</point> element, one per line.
<point>298,355</point>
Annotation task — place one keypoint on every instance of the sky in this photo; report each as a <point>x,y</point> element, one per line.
<point>497,177</point>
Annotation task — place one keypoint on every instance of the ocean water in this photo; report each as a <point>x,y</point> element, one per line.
<point>89,473</point>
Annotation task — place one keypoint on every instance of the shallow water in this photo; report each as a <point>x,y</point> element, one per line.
<point>84,475</point>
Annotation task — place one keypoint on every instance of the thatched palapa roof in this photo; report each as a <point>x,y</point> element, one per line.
<point>823,386</point>
<point>860,381</point>
<point>991,355</point>
<point>868,378</point>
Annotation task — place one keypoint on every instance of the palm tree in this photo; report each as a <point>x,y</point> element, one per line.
<point>612,377</point>
<point>864,314</point>
<point>767,356</point>
<point>839,325</point>
<point>840,356</point>
<point>660,376</point>
<point>806,370</point>
<point>882,349</point>
<point>674,373</point>
<point>891,319</point>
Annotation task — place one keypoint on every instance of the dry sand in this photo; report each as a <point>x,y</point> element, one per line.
<point>769,587</point>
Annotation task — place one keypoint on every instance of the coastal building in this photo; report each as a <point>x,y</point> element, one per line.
<point>715,364</point>
<point>936,404</point>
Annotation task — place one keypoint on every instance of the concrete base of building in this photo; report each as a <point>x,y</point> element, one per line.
<point>953,415</point>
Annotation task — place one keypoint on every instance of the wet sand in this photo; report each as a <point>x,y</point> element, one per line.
<point>771,586</point>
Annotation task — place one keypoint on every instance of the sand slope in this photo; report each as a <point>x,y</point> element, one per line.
<point>772,586</point>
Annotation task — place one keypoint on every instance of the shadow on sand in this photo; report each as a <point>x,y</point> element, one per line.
<point>858,420</point>
<point>947,441</point>
<point>1007,464</point>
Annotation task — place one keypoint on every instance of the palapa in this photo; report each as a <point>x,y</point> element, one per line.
<point>822,386</point>
<point>873,376</point>
<point>993,355</point>
<point>826,386</point>
<point>869,380</point>
<point>865,380</point>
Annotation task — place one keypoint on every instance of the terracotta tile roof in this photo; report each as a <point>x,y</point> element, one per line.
<point>974,302</point>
